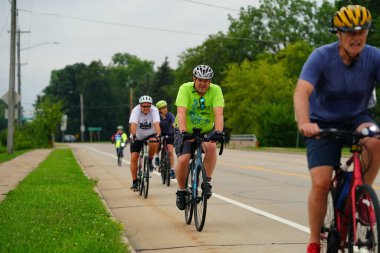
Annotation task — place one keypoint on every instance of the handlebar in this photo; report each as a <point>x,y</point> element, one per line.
<point>198,137</point>
<point>333,133</point>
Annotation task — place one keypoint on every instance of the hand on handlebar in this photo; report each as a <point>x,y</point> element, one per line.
<point>216,136</point>
<point>309,129</point>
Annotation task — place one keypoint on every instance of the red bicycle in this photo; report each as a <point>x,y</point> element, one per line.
<point>353,210</point>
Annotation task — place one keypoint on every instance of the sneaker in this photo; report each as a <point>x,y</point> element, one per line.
<point>134,187</point>
<point>313,248</point>
<point>172,174</point>
<point>157,161</point>
<point>208,189</point>
<point>181,199</point>
<point>366,212</point>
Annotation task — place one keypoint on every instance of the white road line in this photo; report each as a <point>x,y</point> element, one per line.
<point>236,203</point>
<point>107,154</point>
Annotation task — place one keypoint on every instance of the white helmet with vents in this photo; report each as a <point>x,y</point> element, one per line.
<point>203,71</point>
<point>145,99</point>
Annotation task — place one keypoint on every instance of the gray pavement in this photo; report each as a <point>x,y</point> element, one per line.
<point>14,171</point>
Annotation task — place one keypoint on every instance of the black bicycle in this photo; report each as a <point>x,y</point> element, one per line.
<point>165,161</point>
<point>196,183</point>
<point>143,169</point>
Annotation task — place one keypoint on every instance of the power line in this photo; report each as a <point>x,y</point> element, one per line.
<point>141,27</point>
<point>211,5</point>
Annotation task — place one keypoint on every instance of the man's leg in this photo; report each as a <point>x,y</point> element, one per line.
<point>133,166</point>
<point>371,156</point>
<point>317,203</point>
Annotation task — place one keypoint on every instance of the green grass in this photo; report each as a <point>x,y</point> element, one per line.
<point>55,209</point>
<point>6,157</point>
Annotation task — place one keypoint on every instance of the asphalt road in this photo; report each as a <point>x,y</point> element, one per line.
<point>259,203</point>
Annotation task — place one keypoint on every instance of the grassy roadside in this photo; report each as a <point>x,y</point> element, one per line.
<point>55,209</point>
<point>6,157</point>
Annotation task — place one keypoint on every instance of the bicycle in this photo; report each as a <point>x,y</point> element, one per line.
<point>165,161</point>
<point>143,169</point>
<point>120,153</point>
<point>353,210</point>
<point>196,199</point>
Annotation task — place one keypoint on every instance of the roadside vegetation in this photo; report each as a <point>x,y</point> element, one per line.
<point>55,209</point>
<point>6,157</point>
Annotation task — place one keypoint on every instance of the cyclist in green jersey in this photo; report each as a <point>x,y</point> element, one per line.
<point>199,105</point>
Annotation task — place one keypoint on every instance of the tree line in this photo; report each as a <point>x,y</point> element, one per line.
<point>256,62</point>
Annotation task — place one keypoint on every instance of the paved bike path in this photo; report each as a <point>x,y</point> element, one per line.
<point>14,171</point>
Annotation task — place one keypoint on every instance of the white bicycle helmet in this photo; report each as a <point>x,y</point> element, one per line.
<point>203,71</point>
<point>145,99</point>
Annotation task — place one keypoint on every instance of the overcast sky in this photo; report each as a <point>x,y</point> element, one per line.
<point>88,30</point>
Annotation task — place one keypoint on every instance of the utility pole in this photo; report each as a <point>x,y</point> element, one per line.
<point>82,127</point>
<point>11,92</point>
<point>130,99</point>
<point>19,107</point>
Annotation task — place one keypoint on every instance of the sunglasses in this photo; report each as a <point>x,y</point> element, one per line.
<point>145,106</point>
<point>202,103</point>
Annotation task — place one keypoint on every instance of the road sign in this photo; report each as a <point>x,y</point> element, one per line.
<point>5,98</point>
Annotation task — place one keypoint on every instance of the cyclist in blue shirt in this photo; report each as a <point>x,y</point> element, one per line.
<point>167,128</point>
<point>334,90</point>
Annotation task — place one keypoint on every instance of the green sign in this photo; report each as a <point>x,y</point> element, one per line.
<point>94,129</point>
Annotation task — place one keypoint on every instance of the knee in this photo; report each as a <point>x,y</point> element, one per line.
<point>321,187</point>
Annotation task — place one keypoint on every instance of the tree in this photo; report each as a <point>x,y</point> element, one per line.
<point>46,122</point>
<point>164,81</point>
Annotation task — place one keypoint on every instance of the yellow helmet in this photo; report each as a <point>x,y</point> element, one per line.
<point>160,104</point>
<point>351,18</point>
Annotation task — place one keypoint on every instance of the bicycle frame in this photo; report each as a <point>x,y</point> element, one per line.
<point>341,199</point>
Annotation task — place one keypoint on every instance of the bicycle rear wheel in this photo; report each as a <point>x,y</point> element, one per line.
<point>146,177</point>
<point>189,203</point>
<point>367,216</point>
<point>200,203</point>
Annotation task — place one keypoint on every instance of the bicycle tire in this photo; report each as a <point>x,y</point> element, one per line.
<point>167,168</point>
<point>141,177</point>
<point>367,225</point>
<point>329,233</point>
<point>119,158</point>
<point>200,203</point>
<point>146,177</point>
<point>162,167</point>
<point>189,203</point>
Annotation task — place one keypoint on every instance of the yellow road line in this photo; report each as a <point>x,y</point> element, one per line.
<point>279,172</point>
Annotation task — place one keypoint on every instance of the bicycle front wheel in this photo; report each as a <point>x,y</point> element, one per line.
<point>141,176</point>
<point>146,177</point>
<point>367,214</point>
<point>162,167</point>
<point>189,203</point>
<point>119,159</point>
<point>329,232</point>
<point>167,168</point>
<point>200,205</point>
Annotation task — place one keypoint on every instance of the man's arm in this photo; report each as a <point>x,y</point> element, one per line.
<point>133,129</point>
<point>181,114</point>
<point>157,128</point>
<point>219,118</point>
<point>301,107</point>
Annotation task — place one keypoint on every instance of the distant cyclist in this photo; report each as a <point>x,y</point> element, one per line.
<point>145,125</point>
<point>199,104</point>
<point>120,140</point>
<point>167,129</point>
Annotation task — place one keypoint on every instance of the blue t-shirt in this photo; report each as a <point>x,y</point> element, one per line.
<point>340,92</point>
<point>166,124</point>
